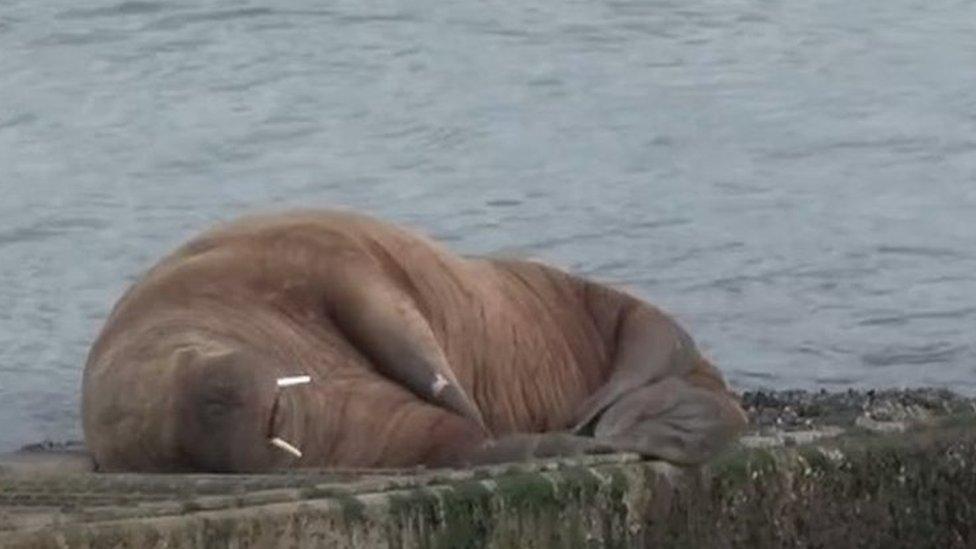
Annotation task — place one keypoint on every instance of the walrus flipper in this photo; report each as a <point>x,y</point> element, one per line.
<point>673,420</point>
<point>663,398</point>
<point>384,323</point>
<point>650,347</point>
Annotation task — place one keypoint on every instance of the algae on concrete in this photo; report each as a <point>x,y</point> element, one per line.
<point>853,486</point>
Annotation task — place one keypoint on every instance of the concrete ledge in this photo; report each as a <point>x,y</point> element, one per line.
<point>915,489</point>
<point>853,486</point>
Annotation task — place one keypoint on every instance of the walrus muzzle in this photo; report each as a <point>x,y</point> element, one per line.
<point>228,412</point>
<point>214,409</point>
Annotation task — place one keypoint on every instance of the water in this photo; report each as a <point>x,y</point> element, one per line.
<point>795,181</point>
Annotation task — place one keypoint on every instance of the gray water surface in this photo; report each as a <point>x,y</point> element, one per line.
<point>795,181</point>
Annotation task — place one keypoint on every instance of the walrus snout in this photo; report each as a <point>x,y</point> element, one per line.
<point>229,411</point>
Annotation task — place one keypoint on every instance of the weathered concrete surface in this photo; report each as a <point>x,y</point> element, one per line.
<point>814,473</point>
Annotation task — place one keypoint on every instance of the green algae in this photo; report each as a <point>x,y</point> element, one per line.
<point>578,483</point>
<point>527,491</point>
<point>547,507</point>
<point>467,514</point>
<point>815,461</point>
<point>352,508</point>
<point>736,470</point>
<point>864,489</point>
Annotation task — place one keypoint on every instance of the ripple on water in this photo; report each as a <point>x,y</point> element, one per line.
<point>760,377</point>
<point>49,228</point>
<point>503,202</point>
<point>920,251</point>
<point>931,353</point>
<point>122,9</point>
<point>181,20</point>
<point>369,18</point>
<point>83,38</point>
<point>905,318</point>
<point>836,380</point>
<point>17,120</point>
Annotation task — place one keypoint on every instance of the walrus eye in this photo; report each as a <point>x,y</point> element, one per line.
<point>219,401</point>
<point>219,406</point>
<point>215,410</point>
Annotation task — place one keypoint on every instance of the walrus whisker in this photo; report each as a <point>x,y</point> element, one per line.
<point>439,384</point>
<point>278,442</point>
<point>288,381</point>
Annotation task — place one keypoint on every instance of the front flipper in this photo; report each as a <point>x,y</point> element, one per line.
<point>384,323</point>
<point>662,399</point>
<point>649,347</point>
<point>672,420</point>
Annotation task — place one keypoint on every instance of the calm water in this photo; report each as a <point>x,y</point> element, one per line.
<point>794,180</point>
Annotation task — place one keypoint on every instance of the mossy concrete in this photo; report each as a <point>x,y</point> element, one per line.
<point>855,488</point>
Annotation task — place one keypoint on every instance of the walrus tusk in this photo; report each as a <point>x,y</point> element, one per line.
<point>286,447</point>
<point>289,381</point>
<point>293,380</point>
<point>439,384</point>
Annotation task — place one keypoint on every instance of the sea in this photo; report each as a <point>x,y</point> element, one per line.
<point>794,181</point>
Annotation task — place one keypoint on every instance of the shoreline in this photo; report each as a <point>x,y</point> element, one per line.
<point>815,468</point>
<point>770,411</point>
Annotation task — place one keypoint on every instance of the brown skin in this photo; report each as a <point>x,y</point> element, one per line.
<point>536,362</point>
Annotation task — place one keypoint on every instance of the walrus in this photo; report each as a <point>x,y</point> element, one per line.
<point>333,339</point>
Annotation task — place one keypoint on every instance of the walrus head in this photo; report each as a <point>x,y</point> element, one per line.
<point>214,408</point>
<point>227,410</point>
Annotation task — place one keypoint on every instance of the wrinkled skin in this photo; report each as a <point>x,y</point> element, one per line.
<point>416,357</point>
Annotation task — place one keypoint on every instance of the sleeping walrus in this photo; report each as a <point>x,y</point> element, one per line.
<point>323,339</point>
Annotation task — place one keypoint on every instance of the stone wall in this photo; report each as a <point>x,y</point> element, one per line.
<point>852,484</point>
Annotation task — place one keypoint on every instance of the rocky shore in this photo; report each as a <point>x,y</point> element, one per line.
<point>771,410</point>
